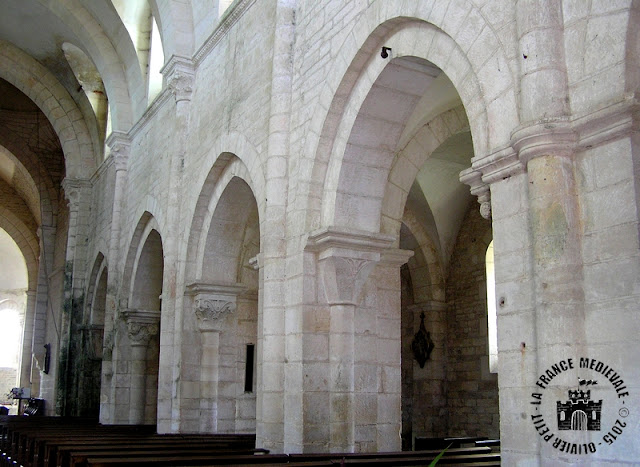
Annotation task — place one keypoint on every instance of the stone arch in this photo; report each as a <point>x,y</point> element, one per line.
<point>26,240</point>
<point>31,170</point>
<point>108,44</point>
<point>37,83</point>
<point>138,327</point>
<point>148,269</point>
<point>471,57</point>
<point>411,158</point>
<point>138,330</point>
<point>231,156</point>
<point>146,224</point>
<point>175,22</point>
<point>425,263</point>
<point>231,183</point>
<point>89,379</point>
<point>224,242</point>
<point>96,286</point>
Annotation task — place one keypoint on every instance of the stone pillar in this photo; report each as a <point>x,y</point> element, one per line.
<point>278,410</point>
<point>24,378</point>
<point>345,261</point>
<point>385,433</point>
<point>142,325</point>
<point>212,303</point>
<point>78,194</point>
<point>179,74</point>
<point>120,147</point>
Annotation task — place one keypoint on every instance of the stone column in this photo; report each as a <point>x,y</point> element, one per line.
<point>119,147</point>
<point>78,194</point>
<point>142,325</point>
<point>345,261</point>
<point>212,303</point>
<point>179,74</point>
<point>276,407</point>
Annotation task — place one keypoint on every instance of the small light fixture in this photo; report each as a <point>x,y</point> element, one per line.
<point>385,52</point>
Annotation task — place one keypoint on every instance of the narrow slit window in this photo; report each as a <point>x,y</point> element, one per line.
<point>248,370</point>
<point>492,314</point>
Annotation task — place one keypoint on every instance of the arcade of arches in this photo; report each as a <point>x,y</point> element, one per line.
<point>311,219</point>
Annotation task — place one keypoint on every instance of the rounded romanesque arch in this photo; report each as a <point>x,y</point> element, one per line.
<point>37,83</point>
<point>220,306</point>
<point>108,45</point>
<point>26,240</point>
<point>137,327</point>
<point>145,226</point>
<point>175,22</point>
<point>234,195</point>
<point>472,58</point>
<point>411,158</point>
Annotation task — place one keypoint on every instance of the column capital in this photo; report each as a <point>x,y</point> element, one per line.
<point>179,75</point>
<point>142,325</point>
<point>213,301</point>
<point>73,188</point>
<point>346,258</point>
<point>119,145</point>
<point>555,137</point>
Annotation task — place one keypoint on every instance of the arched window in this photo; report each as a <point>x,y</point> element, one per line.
<point>156,62</point>
<point>492,315</point>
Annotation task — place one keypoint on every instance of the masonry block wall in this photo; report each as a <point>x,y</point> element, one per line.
<point>301,184</point>
<point>471,390</point>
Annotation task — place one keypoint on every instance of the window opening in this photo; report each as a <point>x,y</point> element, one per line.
<point>248,370</point>
<point>492,315</point>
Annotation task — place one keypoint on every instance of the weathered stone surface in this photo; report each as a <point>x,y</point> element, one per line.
<point>289,201</point>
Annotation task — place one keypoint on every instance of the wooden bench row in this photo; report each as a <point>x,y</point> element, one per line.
<point>53,441</point>
<point>48,442</point>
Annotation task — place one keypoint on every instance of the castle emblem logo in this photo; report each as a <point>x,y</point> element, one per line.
<point>579,412</point>
<point>593,413</point>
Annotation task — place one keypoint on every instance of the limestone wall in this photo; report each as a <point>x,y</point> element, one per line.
<point>295,106</point>
<point>471,390</point>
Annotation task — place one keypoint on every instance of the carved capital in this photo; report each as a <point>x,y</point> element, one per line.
<point>142,325</point>
<point>212,302</point>
<point>119,149</point>
<point>346,259</point>
<point>179,75</point>
<point>74,189</point>
<point>181,85</point>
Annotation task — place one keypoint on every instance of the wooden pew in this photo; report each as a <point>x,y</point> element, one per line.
<point>79,458</point>
<point>55,451</point>
<point>422,444</point>
<point>188,460</point>
<point>71,452</point>
<point>465,455</point>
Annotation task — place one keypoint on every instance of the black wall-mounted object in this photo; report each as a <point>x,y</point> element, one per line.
<point>422,344</point>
